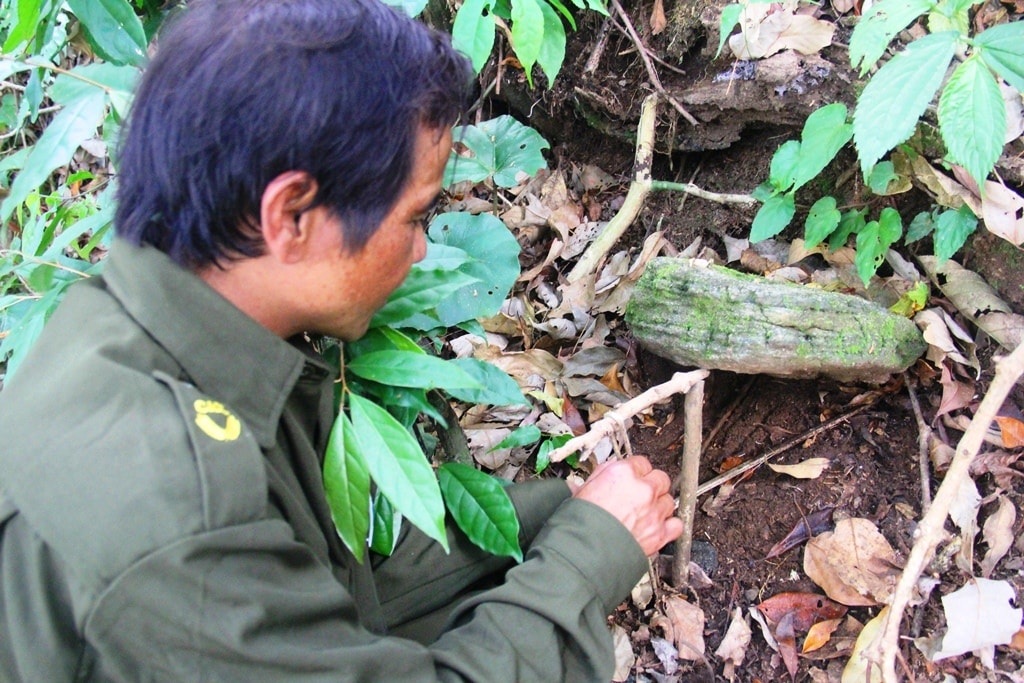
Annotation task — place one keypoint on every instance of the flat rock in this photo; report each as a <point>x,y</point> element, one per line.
<point>716,318</point>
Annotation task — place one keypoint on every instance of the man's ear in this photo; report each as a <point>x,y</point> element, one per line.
<point>285,221</point>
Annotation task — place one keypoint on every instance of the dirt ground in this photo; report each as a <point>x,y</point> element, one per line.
<point>874,471</point>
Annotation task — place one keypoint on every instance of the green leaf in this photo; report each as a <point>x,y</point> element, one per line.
<point>552,47</point>
<point>882,173</point>
<point>548,445</point>
<point>113,30</point>
<point>851,222</point>
<point>774,215</point>
<point>73,125</point>
<point>499,389</point>
<point>972,119</point>
<point>473,31</point>
<point>409,369</point>
<point>118,82</point>
<point>895,98</point>
<point>879,26</point>
<point>411,8</point>
<point>784,162</point>
<point>421,291</point>
<point>398,467</point>
<point>730,19</point>
<point>27,23</point>
<point>951,231</point>
<point>347,487</point>
<point>824,134</point>
<point>481,508</point>
<point>920,227</point>
<point>527,33</point>
<point>1002,48</point>
<point>493,263</point>
<point>386,523</point>
<point>501,147</point>
<point>523,436</point>
<point>874,240</point>
<point>912,301</point>
<point>822,220</point>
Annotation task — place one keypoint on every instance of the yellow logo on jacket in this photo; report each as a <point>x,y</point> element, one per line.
<point>211,426</point>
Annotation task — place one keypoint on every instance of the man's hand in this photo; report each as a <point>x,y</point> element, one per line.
<point>637,495</point>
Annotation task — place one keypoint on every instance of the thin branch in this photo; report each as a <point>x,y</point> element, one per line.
<point>924,438</point>
<point>599,45</point>
<point>690,477</point>
<point>612,421</point>
<point>42,262</point>
<point>690,188</point>
<point>884,647</point>
<point>642,50</point>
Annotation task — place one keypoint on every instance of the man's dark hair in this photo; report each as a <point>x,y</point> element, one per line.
<point>241,91</point>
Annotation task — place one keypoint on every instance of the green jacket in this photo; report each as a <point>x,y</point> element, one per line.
<point>162,518</point>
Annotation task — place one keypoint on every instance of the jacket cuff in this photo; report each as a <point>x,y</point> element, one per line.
<point>600,548</point>
<point>535,502</point>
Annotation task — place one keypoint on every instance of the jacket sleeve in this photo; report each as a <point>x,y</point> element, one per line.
<point>248,603</point>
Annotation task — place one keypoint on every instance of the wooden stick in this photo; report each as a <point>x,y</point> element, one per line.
<point>690,188</point>
<point>690,477</point>
<point>924,438</point>
<point>680,383</point>
<point>883,648</point>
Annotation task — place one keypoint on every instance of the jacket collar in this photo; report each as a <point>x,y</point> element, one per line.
<point>224,352</point>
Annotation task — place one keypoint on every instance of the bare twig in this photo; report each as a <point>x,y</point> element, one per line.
<point>690,188</point>
<point>454,446</point>
<point>924,438</point>
<point>690,477</point>
<point>757,462</point>
<point>739,398</point>
<point>599,46</point>
<point>642,50</point>
<point>883,648</point>
<point>608,425</point>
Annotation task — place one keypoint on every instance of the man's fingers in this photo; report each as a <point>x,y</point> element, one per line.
<point>641,465</point>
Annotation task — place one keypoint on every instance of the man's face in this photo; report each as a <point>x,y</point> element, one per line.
<point>355,285</point>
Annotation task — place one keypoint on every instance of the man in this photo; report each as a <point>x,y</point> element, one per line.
<point>162,515</point>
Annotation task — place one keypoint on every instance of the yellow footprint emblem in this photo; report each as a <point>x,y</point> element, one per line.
<point>205,412</point>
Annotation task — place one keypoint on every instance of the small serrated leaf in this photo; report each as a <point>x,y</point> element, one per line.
<point>822,220</point>
<point>481,508</point>
<point>879,26</point>
<point>1002,48</point>
<point>972,118</point>
<point>773,216</point>
<point>895,98</point>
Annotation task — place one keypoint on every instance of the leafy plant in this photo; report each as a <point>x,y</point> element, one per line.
<point>971,117</point>
<point>534,29</point>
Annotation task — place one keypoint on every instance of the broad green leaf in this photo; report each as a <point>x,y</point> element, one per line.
<point>851,222</point>
<point>882,173</point>
<point>822,220</point>
<point>972,118</point>
<point>501,147</point>
<point>118,82</point>
<point>398,467</point>
<point>113,29</point>
<point>784,162</point>
<point>920,227</point>
<point>347,487</point>
<point>1002,48</point>
<point>382,339</point>
<point>895,98</point>
<point>481,508</point>
<point>951,231</point>
<point>548,445</point>
<point>419,293</point>
<point>499,389</point>
<point>552,47</point>
<point>410,369</point>
<point>774,215</point>
<point>824,134</point>
<point>493,263</point>
<point>874,240</point>
<point>386,524</point>
<point>564,11</point>
<point>410,8</point>
<point>73,125</point>
<point>527,33</point>
<point>523,436</point>
<point>24,328</point>
<point>730,19</point>
<point>473,31</point>
<point>25,28</point>
<point>879,26</point>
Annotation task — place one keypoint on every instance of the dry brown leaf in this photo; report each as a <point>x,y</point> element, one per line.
<point>808,469</point>
<point>859,669</point>
<point>1014,112</point>
<point>522,364</point>
<point>854,565</point>
<point>807,609</point>
<point>658,20</point>
<point>1012,430</point>
<point>624,657</point>
<point>819,634</point>
<point>946,338</point>
<point>998,534</point>
<point>964,513</point>
<point>1017,642</point>
<point>1003,211</point>
<point>733,647</point>
<point>948,192</point>
<point>955,394</point>
<point>786,638</point>
<point>780,30</point>
<point>687,622</point>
